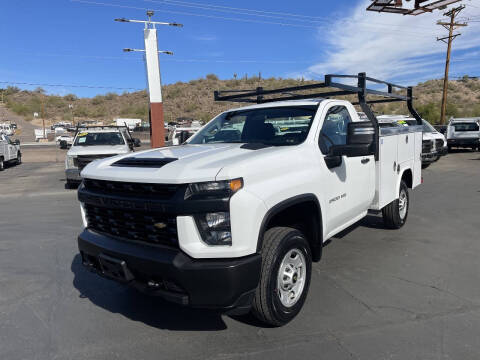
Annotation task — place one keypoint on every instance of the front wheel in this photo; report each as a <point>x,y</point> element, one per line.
<point>19,158</point>
<point>285,277</point>
<point>2,164</point>
<point>395,214</point>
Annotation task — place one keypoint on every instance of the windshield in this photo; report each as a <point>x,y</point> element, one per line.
<point>427,127</point>
<point>466,126</point>
<point>99,138</point>
<point>280,126</point>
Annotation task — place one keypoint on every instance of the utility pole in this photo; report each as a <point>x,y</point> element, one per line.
<point>451,27</point>
<point>42,111</point>
<point>157,123</point>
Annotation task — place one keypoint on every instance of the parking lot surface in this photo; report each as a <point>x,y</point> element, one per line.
<point>376,294</point>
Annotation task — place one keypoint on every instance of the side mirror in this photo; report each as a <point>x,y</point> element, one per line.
<point>184,136</point>
<point>137,142</point>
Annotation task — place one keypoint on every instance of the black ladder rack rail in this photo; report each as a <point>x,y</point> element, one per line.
<point>257,96</point>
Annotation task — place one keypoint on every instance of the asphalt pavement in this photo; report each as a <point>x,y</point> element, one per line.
<point>377,294</point>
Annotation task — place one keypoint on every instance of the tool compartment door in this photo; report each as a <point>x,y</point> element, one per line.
<point>387,174</point>
<point>406,147</point>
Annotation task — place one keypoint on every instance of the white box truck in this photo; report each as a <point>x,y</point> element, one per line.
<point>233,219</point>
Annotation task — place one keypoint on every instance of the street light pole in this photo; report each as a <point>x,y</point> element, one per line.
<point>157,124</point>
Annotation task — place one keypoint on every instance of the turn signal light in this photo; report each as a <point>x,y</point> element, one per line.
<point>236,185</point>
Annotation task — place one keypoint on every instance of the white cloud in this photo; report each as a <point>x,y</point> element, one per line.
<point>391,46</point>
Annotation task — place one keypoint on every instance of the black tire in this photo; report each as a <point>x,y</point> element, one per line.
<point>19,158</point>
<point>71,185</point>
<point>393,217</point>
<point>2,164</point>
<point>267,304</point>
<point>424,166</point>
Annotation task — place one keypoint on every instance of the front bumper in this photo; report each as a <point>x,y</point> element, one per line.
<point>223,284</point>
<point>467,142</point>
<point>429,158</point>
<point>73,175</point>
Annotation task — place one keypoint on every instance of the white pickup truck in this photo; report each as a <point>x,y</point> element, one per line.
<point>463,133</point>
<point>9,151</point>
<point>234,218</point>
<point>91,143</point>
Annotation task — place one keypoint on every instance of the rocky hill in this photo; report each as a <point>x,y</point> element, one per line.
<point>194,100</point>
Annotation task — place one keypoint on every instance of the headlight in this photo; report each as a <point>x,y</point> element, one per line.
<point>215,228</point>
<point>213,189</point>
<point>70,162</point>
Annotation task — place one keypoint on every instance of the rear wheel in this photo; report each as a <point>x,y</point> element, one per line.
<point>395,214</point>
<point>285,276</point>
<point>19,158</point>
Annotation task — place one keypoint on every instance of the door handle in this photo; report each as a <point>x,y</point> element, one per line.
<point>365,161</point>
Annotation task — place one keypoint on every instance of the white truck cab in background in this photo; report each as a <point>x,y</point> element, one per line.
<point>463,133</point>
<point>233,219</point>
<point>9,151</point>
<point>92,143</point>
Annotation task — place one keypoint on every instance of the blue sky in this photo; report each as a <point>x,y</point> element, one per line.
<point>78,43</point>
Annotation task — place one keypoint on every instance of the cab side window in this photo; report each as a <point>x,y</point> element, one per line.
<point>335,128</point>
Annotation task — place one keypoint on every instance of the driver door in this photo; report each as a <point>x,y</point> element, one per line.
<point>12,150</point>
<point>350,185</point>
<point>3,146</point>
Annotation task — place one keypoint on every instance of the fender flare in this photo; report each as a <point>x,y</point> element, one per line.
<point>401,177</point>
<point>295,200</point>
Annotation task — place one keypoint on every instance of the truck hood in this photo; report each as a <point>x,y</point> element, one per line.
<point>183,164</point>
<point>98,150</point>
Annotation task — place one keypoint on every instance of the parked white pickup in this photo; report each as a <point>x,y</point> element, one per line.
<point>233,218</point>
<point>9,151</point>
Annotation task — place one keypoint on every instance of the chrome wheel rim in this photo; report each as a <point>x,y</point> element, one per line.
<point>403,204</point>
<point>291,278</point>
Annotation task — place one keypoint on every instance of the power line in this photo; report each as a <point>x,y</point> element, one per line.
<point>136,58</point>
<point>193,14</point>
<point>267,14</point>
<point>286,24</point>
<point>69,85</point>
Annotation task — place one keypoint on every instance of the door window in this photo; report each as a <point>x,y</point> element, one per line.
<point>335,128</point>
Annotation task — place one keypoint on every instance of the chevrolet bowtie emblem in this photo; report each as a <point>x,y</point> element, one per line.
<point>160,225</point>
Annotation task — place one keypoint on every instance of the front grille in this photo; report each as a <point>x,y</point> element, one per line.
<point>427,146</point>
<point>83,160</point>
<point>157,191</point>
<point>438,144</point>
<point>151,228</point>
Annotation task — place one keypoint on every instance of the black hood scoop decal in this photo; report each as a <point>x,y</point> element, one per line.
<point>141,162</point>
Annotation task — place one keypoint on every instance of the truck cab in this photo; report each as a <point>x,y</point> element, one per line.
<point>463,133</point>
<point>93,143</point>
<point>9,151</point>
<point>234,218</point>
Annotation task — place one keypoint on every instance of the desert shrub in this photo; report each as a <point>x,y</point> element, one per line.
<point>97,100</point>
<point>110,96</point>
<point>70,97</point>
<point>212,77</point>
